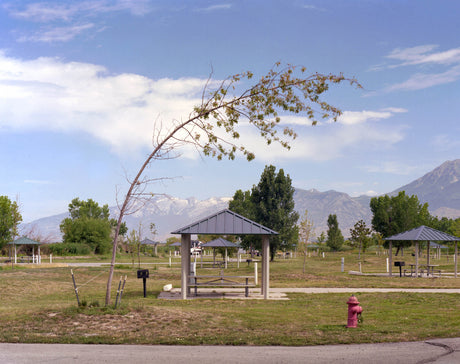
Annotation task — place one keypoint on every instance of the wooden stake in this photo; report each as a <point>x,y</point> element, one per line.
<point>118,291</point>
<point>75,287</point>
<point>122,288</point>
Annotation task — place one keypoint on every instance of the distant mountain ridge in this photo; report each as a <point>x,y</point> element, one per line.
<point>440,188</point>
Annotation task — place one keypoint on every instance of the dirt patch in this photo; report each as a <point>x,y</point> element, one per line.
<point>142,326</point>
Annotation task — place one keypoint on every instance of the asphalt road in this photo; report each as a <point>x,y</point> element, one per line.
<point>432,351</point>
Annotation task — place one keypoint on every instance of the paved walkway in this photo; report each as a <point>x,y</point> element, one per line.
<point>280,293</point>
<point>440,351</point>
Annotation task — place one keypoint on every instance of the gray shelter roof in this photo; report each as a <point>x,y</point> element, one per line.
<point>149,242</point>
<point>423,233</point>
<point>220,243</point>
<point>436,245</point>
<point>225,222</point>
<point>24,241</point>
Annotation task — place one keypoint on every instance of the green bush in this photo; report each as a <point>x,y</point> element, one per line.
<point>69,249</point>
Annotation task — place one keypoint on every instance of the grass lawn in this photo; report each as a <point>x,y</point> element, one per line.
<point>39,305</point>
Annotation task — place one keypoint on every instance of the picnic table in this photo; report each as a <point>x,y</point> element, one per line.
<point>429,268</point>
<point>221,281</point>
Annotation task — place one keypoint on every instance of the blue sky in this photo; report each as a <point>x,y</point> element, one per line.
<point>83,82</point>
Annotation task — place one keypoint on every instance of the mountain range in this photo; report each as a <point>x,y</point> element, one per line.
<point>440,188</point>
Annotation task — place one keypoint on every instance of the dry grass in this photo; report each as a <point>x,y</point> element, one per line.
<point>39,305</point>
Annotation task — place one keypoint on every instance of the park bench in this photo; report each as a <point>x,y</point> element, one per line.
<point>221,281</point>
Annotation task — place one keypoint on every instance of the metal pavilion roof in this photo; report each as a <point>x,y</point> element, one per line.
<point>24,241</point>
<point>149,242</point>
<point>225,222</point>
<point>423,233</point>
<point>220,243</point>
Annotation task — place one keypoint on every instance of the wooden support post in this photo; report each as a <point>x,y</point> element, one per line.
<point>455,259</point>
<point>185,264</point>
<point>416,258</point>
<point>427,257</point>
<point>390,256</point>
<point>266,266</point>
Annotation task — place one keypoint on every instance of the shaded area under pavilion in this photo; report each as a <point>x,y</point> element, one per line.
<point>422,233</point>
<point>224,222</point>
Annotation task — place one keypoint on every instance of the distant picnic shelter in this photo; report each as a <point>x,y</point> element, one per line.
<point>220,243</point>
<point>24,241</point>
<point>422,233</point>
<point>224,222</point>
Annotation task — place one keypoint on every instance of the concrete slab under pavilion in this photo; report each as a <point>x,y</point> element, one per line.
<point>224,222</point>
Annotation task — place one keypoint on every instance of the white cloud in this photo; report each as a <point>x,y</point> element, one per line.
<point>358,117</point>
<point>445,63</point>
<point>43,12</point>
<point>326,141</point>
<point>121,110</point>
<point>48,94</point>
<point>215,7</point>
<point>313,7</point>
<point>420,55</point>
<point>58,34</point>
<point>445,142</point>
<point>391,167</point>
<point>64,21</point>
<point>37,182</point>
<point>47,11</point>
<point>421,81</point>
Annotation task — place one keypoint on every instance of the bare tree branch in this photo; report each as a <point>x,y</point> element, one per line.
<point>283,90</point>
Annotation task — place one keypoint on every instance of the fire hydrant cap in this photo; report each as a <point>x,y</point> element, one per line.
<point>353,300</point>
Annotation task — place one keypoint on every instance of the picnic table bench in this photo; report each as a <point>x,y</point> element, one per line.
<point>428,268</point>
<point>221,281</point>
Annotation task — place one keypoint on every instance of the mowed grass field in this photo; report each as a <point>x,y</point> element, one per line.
<point>39,305</point>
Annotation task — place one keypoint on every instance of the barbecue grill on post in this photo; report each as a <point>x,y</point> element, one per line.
<point>400,265</point>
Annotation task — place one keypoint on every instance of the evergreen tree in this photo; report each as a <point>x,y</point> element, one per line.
<point>334,235</point>
<point>270,203</point>
<point>242,205</point>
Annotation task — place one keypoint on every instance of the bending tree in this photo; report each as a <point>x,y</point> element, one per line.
<point>212,126</point>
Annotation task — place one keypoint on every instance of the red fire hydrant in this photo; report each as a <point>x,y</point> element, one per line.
<point>353,310</point>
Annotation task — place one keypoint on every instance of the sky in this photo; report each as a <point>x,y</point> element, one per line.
<point>83,84</point>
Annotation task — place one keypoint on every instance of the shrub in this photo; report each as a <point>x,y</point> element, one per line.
<point>69,249</point>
